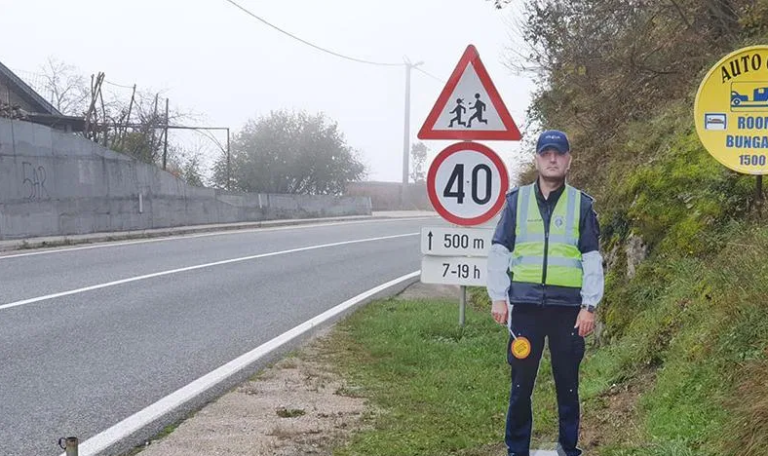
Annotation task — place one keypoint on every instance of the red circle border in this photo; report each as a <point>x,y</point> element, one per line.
<point>432,191</point>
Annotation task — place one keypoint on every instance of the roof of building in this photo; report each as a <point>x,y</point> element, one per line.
<point>41,105</point>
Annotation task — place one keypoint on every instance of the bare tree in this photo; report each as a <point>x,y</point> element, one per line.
<point>187,162</point>
<point>67,89</point>
<point>133,124</point>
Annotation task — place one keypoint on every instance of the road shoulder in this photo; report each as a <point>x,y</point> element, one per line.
<point>16,245</point>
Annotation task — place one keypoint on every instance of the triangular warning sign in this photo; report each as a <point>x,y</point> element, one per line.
<point>469,107</point>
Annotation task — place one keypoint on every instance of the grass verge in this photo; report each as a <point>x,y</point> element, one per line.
<point>435,389</point>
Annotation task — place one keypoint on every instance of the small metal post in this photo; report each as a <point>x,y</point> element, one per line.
<point>462,305</point>
<point>69,444</point>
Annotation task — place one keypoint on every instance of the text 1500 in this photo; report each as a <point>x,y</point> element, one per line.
<point>752,160</point>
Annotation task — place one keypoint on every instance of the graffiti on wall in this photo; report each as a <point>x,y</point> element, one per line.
<point>34,181</point>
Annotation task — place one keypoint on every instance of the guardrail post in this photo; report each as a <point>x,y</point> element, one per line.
<point>69,444</point>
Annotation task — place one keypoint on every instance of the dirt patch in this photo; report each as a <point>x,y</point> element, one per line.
<point>612,418</point>
<point>297,406</point>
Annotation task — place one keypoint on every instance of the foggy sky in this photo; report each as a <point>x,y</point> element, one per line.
<point>209,57</point>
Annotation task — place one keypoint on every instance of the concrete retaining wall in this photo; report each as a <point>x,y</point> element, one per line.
<point>54,183</point>
<point>388,196</point>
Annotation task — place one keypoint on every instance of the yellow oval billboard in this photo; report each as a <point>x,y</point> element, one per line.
<point>731,110</point>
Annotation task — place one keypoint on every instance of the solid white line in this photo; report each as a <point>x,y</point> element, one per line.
<point>135,422</point>
<point>171,237</point>
<point>192,268</point>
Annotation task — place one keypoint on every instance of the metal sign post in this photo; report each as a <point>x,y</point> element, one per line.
<point>462,305</point>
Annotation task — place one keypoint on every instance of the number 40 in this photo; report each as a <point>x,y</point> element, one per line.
<point>457,180</point>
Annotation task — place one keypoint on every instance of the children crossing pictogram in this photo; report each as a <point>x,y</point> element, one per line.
<point>459,110</point>
<point>479,108</point>
<point>469,107</point>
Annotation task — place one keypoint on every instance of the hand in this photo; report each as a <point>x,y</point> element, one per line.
<point>499,311</point>
<point>585,322</point>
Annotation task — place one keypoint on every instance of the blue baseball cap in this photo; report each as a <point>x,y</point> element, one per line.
<point>555,139</point>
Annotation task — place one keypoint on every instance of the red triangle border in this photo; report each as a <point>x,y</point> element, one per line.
<point>471,56</point>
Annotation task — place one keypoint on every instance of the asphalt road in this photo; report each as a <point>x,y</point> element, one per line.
<point>78,363</point>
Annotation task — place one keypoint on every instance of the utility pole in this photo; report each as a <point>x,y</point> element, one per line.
<point>407,127</point>
<point>229,164</point>
<point>154,125</point>
<point>165,144</point>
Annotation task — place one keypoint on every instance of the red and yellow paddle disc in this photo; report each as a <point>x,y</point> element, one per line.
<point>521,348</point>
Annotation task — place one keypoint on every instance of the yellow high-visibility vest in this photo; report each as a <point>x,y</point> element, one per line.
<point>547,257</point>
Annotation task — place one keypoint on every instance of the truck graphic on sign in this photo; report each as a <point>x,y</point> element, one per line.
<point>749,96</point>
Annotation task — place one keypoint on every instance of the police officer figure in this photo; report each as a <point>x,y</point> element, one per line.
<point>545,273</point>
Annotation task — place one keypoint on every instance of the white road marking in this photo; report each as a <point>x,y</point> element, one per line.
<point>167,238</point>
<point>138,420</point>
<point>193,268</point>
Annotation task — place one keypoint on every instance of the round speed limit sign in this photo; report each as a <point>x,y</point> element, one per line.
<point>466,183</point>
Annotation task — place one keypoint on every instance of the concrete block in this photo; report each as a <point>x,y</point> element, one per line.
<point>68,145</point>
<point>42,138</point>
<point>6,137</point>
<point>168,212</point>
<point>124,214</point>
<point>200,192</point>
<point>120,179</point>
<point>62,178</point>
<point>251,214</point>
<point>169,184</point>
<point>147,176</point>
<point>70,216</point>
<point>98,216</point>
<point>200,211</point>
<point>112,155</point>
<point>23,139</point>
<point>3,227</point>
<point>30,219</point>
<point>88,174</point>
<point>228,213</point>
<point>9,180</point>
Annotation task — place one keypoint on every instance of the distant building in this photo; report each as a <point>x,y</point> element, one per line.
<point>19,101</point>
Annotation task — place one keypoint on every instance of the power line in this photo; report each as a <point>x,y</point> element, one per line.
<point>429,74</point>
<point>118,85</point>
<point>210,136</point>
<point>369,62</point>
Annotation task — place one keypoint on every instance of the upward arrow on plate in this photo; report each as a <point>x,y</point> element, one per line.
<point>430,240</point>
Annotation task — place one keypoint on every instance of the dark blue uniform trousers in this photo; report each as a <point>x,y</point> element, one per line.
<point>567,350</point>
